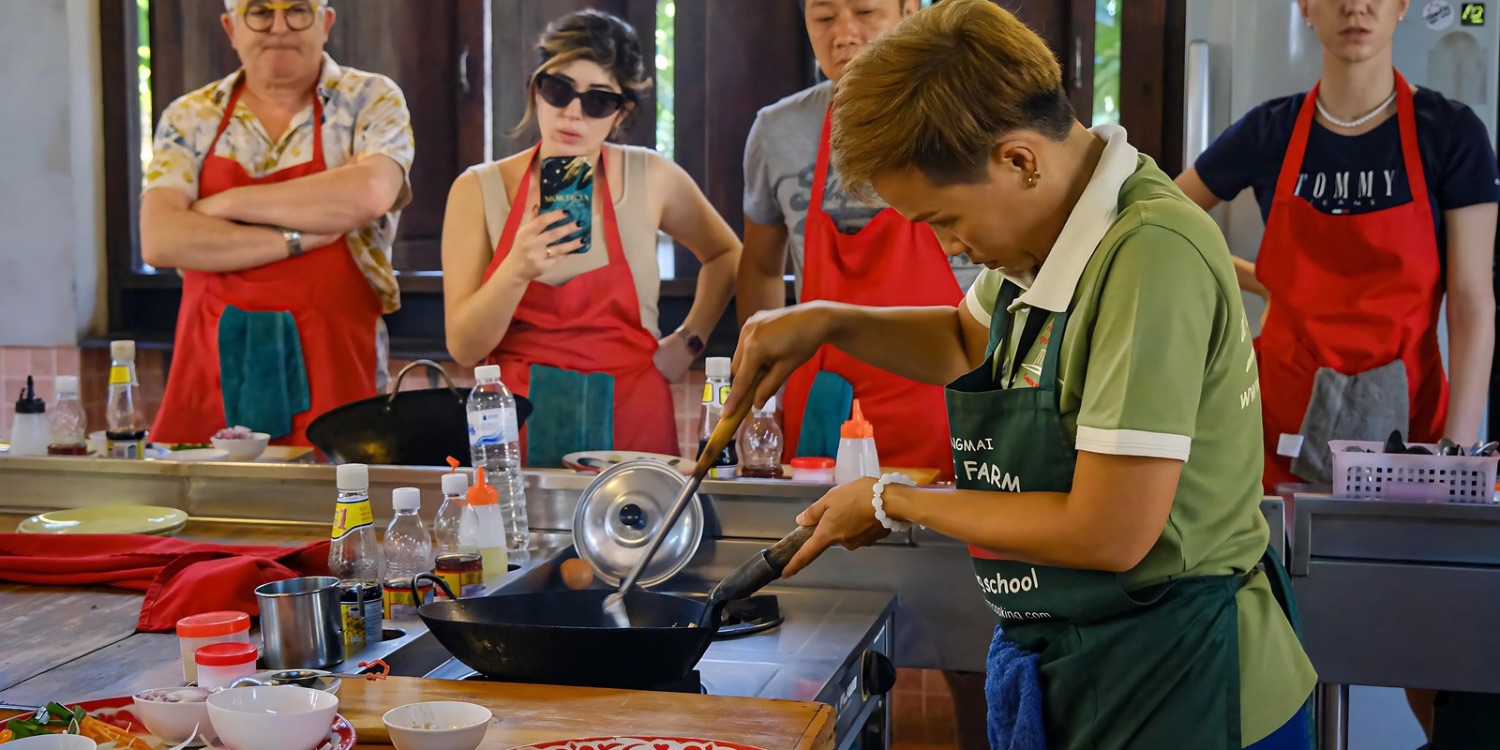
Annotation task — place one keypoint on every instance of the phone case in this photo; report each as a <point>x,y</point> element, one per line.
<point>568,185</point>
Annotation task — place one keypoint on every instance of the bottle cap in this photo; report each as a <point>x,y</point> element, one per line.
<point>482,493</point>
<point>769,409</point>
<point>353,477</point>
<point>27,402</point>
<point>857,427</point>
<point>813,463</point>
<point>122,350</point>
<point>455,484</point>
<point>227,654</point>
<point>67,385</point>
<point>213,624</point>
<point>487,372</point>
<point>718,367</point>
<point>406,498</point>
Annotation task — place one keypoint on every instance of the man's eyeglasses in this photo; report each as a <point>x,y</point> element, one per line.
<point>596,104</point>
<point>299,16</point>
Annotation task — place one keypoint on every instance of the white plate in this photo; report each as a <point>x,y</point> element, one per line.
<point>596,461</point>
<point>198,454</point>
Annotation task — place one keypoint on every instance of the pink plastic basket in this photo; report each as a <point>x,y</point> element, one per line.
<point>1405,476</point>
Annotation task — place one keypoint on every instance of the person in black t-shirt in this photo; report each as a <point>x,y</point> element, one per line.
<point>1379,198</point>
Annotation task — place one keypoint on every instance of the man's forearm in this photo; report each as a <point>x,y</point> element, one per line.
<point>1471,347</point>
<point>187,240</point>
<point>336,201</point>
<point>756,291</point>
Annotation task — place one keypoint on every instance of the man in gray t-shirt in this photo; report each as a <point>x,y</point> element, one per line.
<point>782,152</point>
<point>781,157</point>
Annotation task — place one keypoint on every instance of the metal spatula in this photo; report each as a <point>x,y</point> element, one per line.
<point>729,424</point>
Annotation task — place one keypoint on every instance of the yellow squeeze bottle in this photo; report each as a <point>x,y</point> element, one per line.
<point>486,503</point>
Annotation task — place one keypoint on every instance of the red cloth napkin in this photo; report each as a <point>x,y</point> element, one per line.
<point>180,577</point>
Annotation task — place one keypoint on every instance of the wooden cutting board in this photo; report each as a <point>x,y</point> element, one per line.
<point>527,714</point>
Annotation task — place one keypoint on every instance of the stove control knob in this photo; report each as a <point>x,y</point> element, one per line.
<point>877,675</point>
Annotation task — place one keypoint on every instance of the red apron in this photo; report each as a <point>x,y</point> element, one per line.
<point>1350,293</point>
<point>335,309</point>
<point>590,324</point>
<point>890,262</point>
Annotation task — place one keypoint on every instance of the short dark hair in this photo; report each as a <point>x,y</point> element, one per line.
<point>597,37</point>
<point>937,91</point>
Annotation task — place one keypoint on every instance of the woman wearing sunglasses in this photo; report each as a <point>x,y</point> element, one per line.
<point>573,324</point>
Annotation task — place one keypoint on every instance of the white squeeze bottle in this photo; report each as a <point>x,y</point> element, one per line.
<point>857,456</point>
<point>491,537</point>
<point>495,445</point>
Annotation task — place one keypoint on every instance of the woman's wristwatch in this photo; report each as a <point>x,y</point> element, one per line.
<point>694,343</point>
<point>879,502</point>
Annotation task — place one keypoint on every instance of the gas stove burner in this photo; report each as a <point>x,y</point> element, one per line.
<point>691,683</point>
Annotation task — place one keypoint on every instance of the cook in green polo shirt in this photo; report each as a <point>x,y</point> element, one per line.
<point>1102,398</point>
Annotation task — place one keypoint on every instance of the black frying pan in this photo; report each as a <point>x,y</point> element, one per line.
<point>565,637</point>
<point>405,428</point>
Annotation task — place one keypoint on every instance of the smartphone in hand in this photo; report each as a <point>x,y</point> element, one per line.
<point>568,186</point>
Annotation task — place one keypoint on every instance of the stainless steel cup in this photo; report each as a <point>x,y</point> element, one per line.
<point>301,623</point>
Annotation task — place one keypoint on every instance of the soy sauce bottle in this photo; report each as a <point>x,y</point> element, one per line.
<point>715,391</point>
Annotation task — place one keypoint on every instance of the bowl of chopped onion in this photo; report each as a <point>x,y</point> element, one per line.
<point>241,443</point>
<point>174,714</point>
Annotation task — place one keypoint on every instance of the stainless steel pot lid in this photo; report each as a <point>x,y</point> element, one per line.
<point>621,510</point>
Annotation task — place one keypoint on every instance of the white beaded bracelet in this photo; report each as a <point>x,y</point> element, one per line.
<point>879,502</point>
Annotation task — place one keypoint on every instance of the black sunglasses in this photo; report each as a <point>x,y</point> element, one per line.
<point>596,104</point>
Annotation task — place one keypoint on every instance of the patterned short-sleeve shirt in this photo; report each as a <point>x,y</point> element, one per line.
<point>364,114</point>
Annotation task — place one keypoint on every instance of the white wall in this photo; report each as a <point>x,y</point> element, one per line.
<point>51,207</point>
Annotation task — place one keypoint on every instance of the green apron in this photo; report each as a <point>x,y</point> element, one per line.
<point>1139,668</point>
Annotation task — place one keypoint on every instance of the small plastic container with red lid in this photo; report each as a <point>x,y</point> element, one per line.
<point>809,469</point>
<point>197,631</point>
<point>222,663</point>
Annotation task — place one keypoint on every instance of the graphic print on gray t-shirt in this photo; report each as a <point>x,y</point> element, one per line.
<point>781,155</point>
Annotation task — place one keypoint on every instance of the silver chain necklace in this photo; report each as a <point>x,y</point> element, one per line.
<point>1358,122</point>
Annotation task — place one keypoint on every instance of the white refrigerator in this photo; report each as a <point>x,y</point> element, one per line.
<point>1239,53</point>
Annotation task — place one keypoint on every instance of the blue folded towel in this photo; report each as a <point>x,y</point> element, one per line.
<point>576,413</point>
<point>829,401</point>
<point>1014,695</point>
<point>261,371</point>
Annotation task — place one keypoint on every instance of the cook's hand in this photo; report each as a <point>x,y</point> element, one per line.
<point>776,342</point>
<point>845,516</point>
<point>530,255</point>
<point>673,357</point>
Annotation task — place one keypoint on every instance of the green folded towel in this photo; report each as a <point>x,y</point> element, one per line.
<point>261,370</point>
<point>576,412</point>
<point>829,402</point>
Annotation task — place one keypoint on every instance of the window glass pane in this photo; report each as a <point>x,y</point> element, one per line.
<point>1106,62</point>
<point>666,54</point>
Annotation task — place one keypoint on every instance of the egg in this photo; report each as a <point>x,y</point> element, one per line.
<point>576,573</point>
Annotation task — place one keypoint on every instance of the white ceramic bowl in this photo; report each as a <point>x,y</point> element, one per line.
<point>437,725</point>
<point>53,742</point>
<point>246,449</point>
<point>173,722</point>
<point>272,717</point>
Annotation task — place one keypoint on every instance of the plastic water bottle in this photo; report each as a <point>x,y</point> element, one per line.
<point>495,444</point>
<point>408,551</point>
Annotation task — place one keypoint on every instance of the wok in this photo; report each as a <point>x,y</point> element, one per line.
<point>404,428</point>
<point>566,638</point>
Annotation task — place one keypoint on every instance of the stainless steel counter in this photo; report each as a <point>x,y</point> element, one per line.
<point>943,623</point>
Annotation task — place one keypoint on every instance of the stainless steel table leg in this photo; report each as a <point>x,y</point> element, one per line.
<point>1333,717</point>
